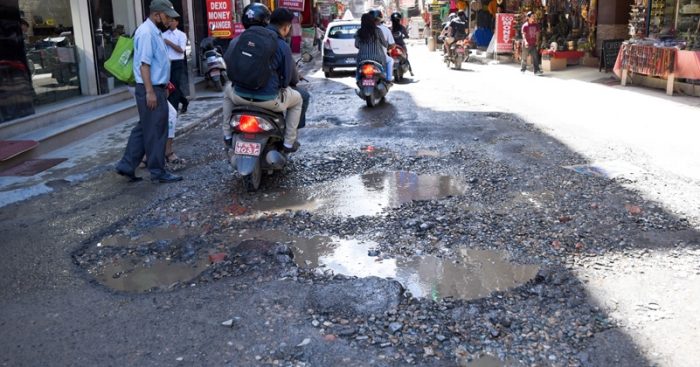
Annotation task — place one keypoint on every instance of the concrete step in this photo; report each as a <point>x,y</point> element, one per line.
<point>58,112</point>
<point>79,126</point>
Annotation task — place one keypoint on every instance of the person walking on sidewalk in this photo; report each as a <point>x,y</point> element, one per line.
<point>531,33</point>
<point>151,71</point>
<point>177,42</point>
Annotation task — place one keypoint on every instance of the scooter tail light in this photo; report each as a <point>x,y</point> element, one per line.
<point>368,70</point>
<point>250,124</point>
<point>395,52</point>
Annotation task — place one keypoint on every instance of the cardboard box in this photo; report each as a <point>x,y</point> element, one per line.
<point>553,64</point>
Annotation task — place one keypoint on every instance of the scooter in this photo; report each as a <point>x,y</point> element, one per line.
<point>457,55</point>
<point>257,145</point>
<point>213,64</point>
<point>401,65</point>
<point>371,81</point>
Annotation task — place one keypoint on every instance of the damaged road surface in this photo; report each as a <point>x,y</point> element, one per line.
<point>419,232</point>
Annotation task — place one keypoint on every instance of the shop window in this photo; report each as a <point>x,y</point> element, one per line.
<point>50,49</point>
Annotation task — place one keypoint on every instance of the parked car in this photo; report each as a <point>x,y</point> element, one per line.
<point>339,46</point>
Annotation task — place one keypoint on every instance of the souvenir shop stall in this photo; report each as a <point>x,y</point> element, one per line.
<point>664,43</point>
<point>568,30</point>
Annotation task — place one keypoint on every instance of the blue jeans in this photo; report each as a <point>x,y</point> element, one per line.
<point>389,68</point>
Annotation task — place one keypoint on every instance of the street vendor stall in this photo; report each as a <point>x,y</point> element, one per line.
<point>665,42</point>
<point>668,63</point>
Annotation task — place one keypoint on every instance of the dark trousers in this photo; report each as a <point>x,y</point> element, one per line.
<point>305,96</point>
<point>532,51</point>
<point>178,77</point>
<point>148,136</point>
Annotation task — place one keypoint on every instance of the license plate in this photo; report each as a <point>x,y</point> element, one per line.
<point>215,72</point>
<point>368,82</point>
<point>350,60</point>
<point>245,148</point>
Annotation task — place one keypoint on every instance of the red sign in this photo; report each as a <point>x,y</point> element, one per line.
<point>220,18</point>
<point>238,29</point>
<point>295,5</point>
<point>505,32</point>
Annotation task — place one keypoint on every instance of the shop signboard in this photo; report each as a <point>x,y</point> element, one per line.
<point>238,29</point>
<point>505,32</point>
<point>220,18</point>
<point>609,53</point>
<point>295,5</point>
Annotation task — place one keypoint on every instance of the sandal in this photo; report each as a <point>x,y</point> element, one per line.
<point>174,159</point>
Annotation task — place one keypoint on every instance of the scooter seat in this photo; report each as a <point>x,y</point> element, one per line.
<point>277,116</point>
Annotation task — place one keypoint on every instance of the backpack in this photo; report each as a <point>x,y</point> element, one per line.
<point>256,47</point>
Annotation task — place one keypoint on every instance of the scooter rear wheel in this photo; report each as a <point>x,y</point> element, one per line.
<point>219,85</point>
<point>252,181</point>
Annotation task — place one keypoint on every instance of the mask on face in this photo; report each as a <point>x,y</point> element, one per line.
<point>161,25</point>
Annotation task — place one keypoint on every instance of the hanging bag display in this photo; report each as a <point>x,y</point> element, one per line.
<point>121,63</point>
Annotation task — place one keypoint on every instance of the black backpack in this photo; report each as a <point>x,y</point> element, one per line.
<point>252,58</point>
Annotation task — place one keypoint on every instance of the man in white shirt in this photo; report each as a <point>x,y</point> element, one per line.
<point>177,42</point>
<point>390,40</point>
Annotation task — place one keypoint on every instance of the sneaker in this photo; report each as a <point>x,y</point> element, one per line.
<point>167,177</point>
<point>523,70</point>
<point>539,72</point>
<point>293,149</point>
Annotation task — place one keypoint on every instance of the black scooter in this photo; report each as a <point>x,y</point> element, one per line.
<point>371,82</point>
<point>258,143</point>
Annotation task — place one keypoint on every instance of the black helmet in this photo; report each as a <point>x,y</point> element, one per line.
<point>396,16</point>
<point>377,14</point>
<point>462,15</point>
<point>255,14</point>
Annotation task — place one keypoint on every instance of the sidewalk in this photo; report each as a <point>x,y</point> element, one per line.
<point>99,152</point>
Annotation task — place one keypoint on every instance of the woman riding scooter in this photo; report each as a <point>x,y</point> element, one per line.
<point>400,33</point>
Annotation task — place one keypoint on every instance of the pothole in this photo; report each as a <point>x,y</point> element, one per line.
<point>362,195</point>
<point>141,275</point>
<point>474,274</point>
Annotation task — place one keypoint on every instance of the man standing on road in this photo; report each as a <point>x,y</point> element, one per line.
<point>152,72</point>
<point>531,33</point>
<point>177,42</point>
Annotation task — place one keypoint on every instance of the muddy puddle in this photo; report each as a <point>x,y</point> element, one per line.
<point>137,275</point>
<point>361,195</point>
<point>164,233</point>
<point>474,274</point>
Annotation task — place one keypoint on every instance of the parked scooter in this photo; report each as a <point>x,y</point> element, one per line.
<point>213,64</point>
<point>458,54</point>
<point>371,81</point>
<point>401,65</point>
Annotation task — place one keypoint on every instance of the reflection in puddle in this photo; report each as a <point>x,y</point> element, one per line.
<point>169,233</point>
<point>478,273</point>
<point>134,275</point>
<point>362,194</point>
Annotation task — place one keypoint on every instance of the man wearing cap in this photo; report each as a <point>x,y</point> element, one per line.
<point>531,32</point>
<point>152,72</point>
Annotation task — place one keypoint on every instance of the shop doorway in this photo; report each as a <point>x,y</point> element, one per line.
<point>109,19</point>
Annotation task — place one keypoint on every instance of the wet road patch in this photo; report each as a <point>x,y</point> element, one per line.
<point>361,195</point>
<point>137,275</point>
<point>473,274</point>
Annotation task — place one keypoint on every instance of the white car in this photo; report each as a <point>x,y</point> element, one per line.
<point>339,46</point>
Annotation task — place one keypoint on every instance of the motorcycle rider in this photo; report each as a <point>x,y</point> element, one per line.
<point>399,32</point>
<point>370,41</point>
<point>379,20</point>
<point>277,95</point>
<point>456,31</point>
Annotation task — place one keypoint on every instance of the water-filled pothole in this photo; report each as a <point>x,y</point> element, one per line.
<point>474,274</point>
<point>139,275</point>
<point>362,195</point>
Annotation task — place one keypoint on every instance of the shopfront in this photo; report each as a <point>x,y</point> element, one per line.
<point>54,51</point>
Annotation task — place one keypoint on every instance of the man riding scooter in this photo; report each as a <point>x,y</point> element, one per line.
<point>456,31</point>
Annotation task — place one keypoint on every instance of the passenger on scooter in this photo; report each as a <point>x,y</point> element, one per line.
<point>379,19</point>
<point>370,42</point>
<point>276,95</point>
<point>457,31</point>
<point>400,33</point>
